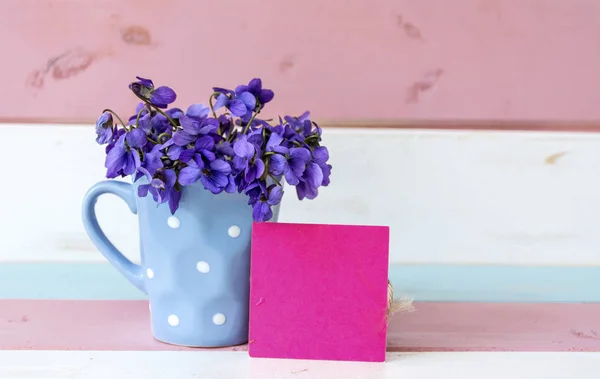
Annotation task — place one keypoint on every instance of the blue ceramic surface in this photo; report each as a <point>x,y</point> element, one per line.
<point>195,264</point>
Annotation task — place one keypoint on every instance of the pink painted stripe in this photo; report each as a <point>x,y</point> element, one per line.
<point>124,325</point>
<point>497,327</point>
<point>475,59</point>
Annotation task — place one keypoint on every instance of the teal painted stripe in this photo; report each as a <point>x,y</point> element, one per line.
<point>422,282</point>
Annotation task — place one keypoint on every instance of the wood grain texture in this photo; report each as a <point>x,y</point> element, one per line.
<point>429,283</point>
<point>125,325</point>
<point>497,327</point>
<point>236,365</point>
<point>449,197</point>
<point>343,60</point>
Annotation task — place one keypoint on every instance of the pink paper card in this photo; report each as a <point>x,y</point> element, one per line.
<point>319,291</point>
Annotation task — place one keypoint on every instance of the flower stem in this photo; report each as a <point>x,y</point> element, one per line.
<point>137,119</point>
<point>251,120</point>
<point>160,136</point>
<point>275,180</point>
<point>164,114</point>
<point>158,110</point>
<point>210,102</point>
<point>116,115</point>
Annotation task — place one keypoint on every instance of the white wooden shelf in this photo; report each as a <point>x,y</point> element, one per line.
<point>237,365</point>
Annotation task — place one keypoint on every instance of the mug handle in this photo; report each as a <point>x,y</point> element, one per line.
<point>128,269</point>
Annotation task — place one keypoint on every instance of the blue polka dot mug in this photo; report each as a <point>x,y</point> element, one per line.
<point>195,264</point>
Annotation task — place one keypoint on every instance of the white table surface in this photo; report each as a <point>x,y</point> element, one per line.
<point>237,365</point>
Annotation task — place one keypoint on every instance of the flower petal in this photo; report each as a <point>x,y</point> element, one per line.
<point>145,123</point>
<point>248,99</point>
<point>255,86</point>
<point>189,125</point>
<point>170,178</point>
<point>274,140</point>
<point>261,212</point>
<point>163,96</point>
<point>275,195</point>
<point>221,90</point>
<point>290,176</point>
<point>259,167</point>
<point>300,154</point>
<point>186,155</point>
<point>209,155</point>
<point>143,190</point>
<point>129,164</point>
<point>174,152</point>
<point>265,96</point>
<point>197,111</point>
<point>208,125</point>
<point>182,138</point>
<point>157,183</point>
<point>116,156</point>
<point>225,149</point>
<point>174,198</point>
<point>105,135</point>
<point>222,100</point>
<point>237,107</point>
<point>104,121</point>
<point>321,155</point>
<point>240,89</point>
<point>136,138</point>
<point>230,188</point>
<point>220,166</point>
<point>189,175</point>
<point>277,164</point>
<point>210,185</point>
<point>173,112</point>
<point>145,82</point>
<point>243,148</point>
<point>240,163</point>
<point>205,142</point>
<point>160,123</point>
<point>197,161</point>
<point>313,175</point>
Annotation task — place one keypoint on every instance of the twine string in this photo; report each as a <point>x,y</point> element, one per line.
<point>395,305</point>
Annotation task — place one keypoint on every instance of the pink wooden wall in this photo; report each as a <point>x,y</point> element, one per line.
<point>65,60</point>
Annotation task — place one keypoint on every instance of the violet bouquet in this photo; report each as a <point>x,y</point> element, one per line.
<point>231,151</point>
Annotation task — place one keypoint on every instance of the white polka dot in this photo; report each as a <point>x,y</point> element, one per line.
<point>173,320</point>
<point>173,222</point>
<point>149,273</point>
<point>219,319</point>
<point>203,267</point>
<point>234,231</point>
<point>149,307</point>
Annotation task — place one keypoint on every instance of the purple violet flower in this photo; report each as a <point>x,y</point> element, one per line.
<point>160,97</point>
<point>203,148</point>
<point>239,105</point>
<point>162,188</point>
<point>263,199</point>
<point>193,128</point>
<point>290,165</point>
<point>152,160</point>
<point>255,88</point>
<point>214,176</point>
<point>170,149</point>
<point>197,111</point>
<point>310,182</point>
<point>123,159</point>
<point>104,128</point>
<point>320,157</point>
<point>246,159</point>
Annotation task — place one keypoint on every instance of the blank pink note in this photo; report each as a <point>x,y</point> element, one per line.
<point>319,291</point>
